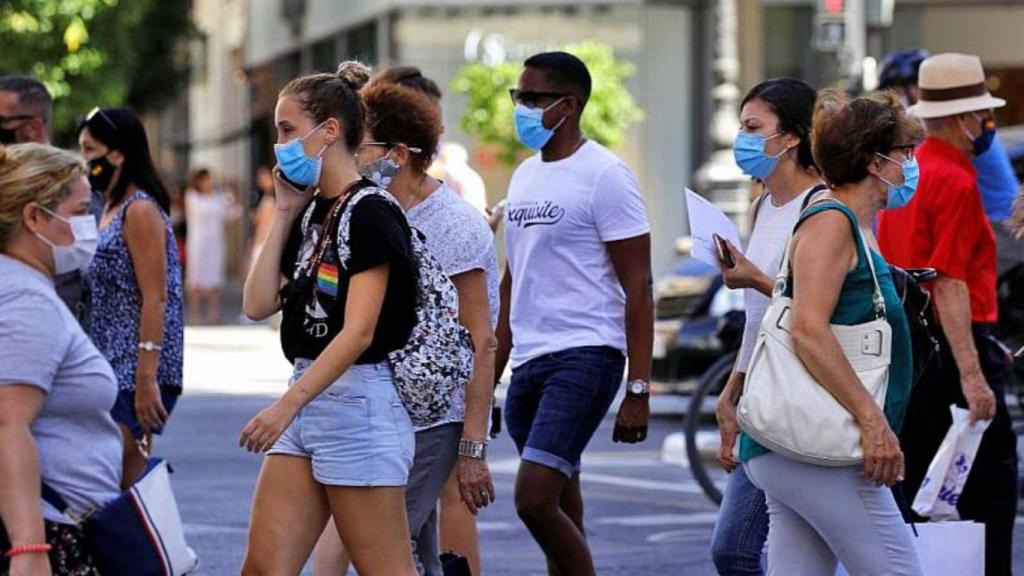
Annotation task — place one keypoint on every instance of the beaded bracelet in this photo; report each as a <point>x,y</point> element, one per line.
<point>28,549</point>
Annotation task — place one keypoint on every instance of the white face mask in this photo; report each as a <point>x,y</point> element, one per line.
<point>79,254</point>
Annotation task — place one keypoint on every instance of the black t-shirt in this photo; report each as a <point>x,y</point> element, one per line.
<point>313,302</point>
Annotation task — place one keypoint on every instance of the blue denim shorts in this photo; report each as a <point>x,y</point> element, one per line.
<point>356,432</point>
<point>556,402</point>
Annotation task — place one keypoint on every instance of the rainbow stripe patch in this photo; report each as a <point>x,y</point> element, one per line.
<point>327,279</point>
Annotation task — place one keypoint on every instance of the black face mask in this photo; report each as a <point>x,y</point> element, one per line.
<point>101,173</point>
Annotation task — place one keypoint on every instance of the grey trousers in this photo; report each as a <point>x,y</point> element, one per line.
<point>437,451</point>
<point>819,516</point>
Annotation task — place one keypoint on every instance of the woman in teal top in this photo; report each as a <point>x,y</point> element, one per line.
<point>823,515</point>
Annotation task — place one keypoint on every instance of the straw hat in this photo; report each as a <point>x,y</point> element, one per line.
<point>952,84</point>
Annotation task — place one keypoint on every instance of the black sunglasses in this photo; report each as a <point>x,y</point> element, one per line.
<point>97,111</point>
<point>530,98</point>
<point>15,118</point>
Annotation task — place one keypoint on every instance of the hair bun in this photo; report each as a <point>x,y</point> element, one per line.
<point>353,73</point>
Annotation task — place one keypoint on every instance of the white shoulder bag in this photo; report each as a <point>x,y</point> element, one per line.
<point>785,409</point>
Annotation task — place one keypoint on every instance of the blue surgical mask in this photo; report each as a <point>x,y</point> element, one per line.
<point>899,196</point>
<point>295,165</point>
<point>748,150</point>
<point>530,128</point>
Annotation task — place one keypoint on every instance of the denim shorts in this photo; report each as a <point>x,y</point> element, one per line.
<point>556,402</point>
<point>356,432</point>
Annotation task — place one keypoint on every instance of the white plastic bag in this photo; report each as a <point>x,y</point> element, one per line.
<point>947,548</point>
<point>948,471</point>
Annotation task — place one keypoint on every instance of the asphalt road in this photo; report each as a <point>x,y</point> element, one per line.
<point>643,516</point>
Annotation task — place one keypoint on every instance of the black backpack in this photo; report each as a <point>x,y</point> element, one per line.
<point>917,305</point>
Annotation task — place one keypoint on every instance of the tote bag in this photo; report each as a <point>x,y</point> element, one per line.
<point>785,409</point>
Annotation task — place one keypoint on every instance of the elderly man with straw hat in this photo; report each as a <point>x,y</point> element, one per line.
<point>945,227</point>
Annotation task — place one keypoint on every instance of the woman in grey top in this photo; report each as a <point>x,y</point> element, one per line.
<point>56,389</point>
<point>403,127</point>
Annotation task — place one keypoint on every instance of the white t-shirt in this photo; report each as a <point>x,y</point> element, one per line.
<point>565,293</point>
<point>768,241</point>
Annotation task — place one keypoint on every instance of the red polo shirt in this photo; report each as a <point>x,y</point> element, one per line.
<point>944,227</point>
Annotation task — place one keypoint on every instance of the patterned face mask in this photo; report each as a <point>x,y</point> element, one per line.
<point>381,171</point>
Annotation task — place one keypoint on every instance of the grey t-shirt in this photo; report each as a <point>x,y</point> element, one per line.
<point>459,237</point>
<point>42,345</point>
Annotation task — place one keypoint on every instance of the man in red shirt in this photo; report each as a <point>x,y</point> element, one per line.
<point>945,227</point>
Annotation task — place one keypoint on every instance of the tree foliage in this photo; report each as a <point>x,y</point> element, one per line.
<point>98,52</point>
<point>488,113</point>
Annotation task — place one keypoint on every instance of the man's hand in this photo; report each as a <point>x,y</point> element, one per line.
<point>728,429</point>
<point>980,399</point>
<point>631,423</point>
<point>475,484</point>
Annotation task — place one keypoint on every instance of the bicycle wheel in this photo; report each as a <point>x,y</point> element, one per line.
<point>710,385</point>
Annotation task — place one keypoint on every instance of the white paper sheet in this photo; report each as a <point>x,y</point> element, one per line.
<point>707,219</point>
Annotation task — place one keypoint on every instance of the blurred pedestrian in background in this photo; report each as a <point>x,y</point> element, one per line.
<point>26,110</point>
<point>263,215</point>
<point>824,514</point>
<point>773,146</point>
<point>453,168</point>
<point>56,389</point>
<point>137,315</point>
<point>340,442</point>
<point>26,114</point>
<point>945,227</point>
<point>207,211</point>
<point>575,300</point>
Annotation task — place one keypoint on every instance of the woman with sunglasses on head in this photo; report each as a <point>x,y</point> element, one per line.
<point>821,515</point>
<point>56,389</point>
<point>403,129</point>
<point>137,306</point>
<point>339,442</point>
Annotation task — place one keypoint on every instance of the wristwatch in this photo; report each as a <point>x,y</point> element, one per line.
<point>638,387</point>
<point>475,449</point>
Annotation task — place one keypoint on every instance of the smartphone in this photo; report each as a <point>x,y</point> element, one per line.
<point>278,173</point>
<point>724,255</point>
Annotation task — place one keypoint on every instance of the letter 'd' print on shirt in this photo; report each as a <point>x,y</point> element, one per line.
<point>527,214</point>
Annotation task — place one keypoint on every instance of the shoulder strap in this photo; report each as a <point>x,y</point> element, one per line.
<point>756,209</point>
<point>863,252</point>
<point>54,499</point>
<point>345,220</point>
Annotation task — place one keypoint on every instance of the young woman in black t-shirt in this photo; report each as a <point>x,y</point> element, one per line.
<point>339,442</point>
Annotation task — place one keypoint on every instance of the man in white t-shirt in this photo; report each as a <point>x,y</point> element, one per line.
<point>575,301</point>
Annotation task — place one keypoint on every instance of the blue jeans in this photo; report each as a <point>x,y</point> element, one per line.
<point>742,528</point>
<point>556,402</point>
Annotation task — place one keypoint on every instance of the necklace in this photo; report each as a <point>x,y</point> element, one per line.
<point>417,195</point>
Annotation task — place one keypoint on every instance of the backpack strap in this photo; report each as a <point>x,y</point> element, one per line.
<point>345,220</point>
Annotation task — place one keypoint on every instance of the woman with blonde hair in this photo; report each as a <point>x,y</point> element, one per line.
<point>56,389</point>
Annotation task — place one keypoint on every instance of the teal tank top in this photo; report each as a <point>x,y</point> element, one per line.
<point>855,307</point>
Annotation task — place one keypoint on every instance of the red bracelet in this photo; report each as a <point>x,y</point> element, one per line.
<point>28,549</point>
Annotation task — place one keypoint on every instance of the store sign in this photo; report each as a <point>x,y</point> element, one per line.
<point>492,48</point>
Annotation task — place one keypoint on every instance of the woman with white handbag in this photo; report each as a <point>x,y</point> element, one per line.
<point>830,373</point>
